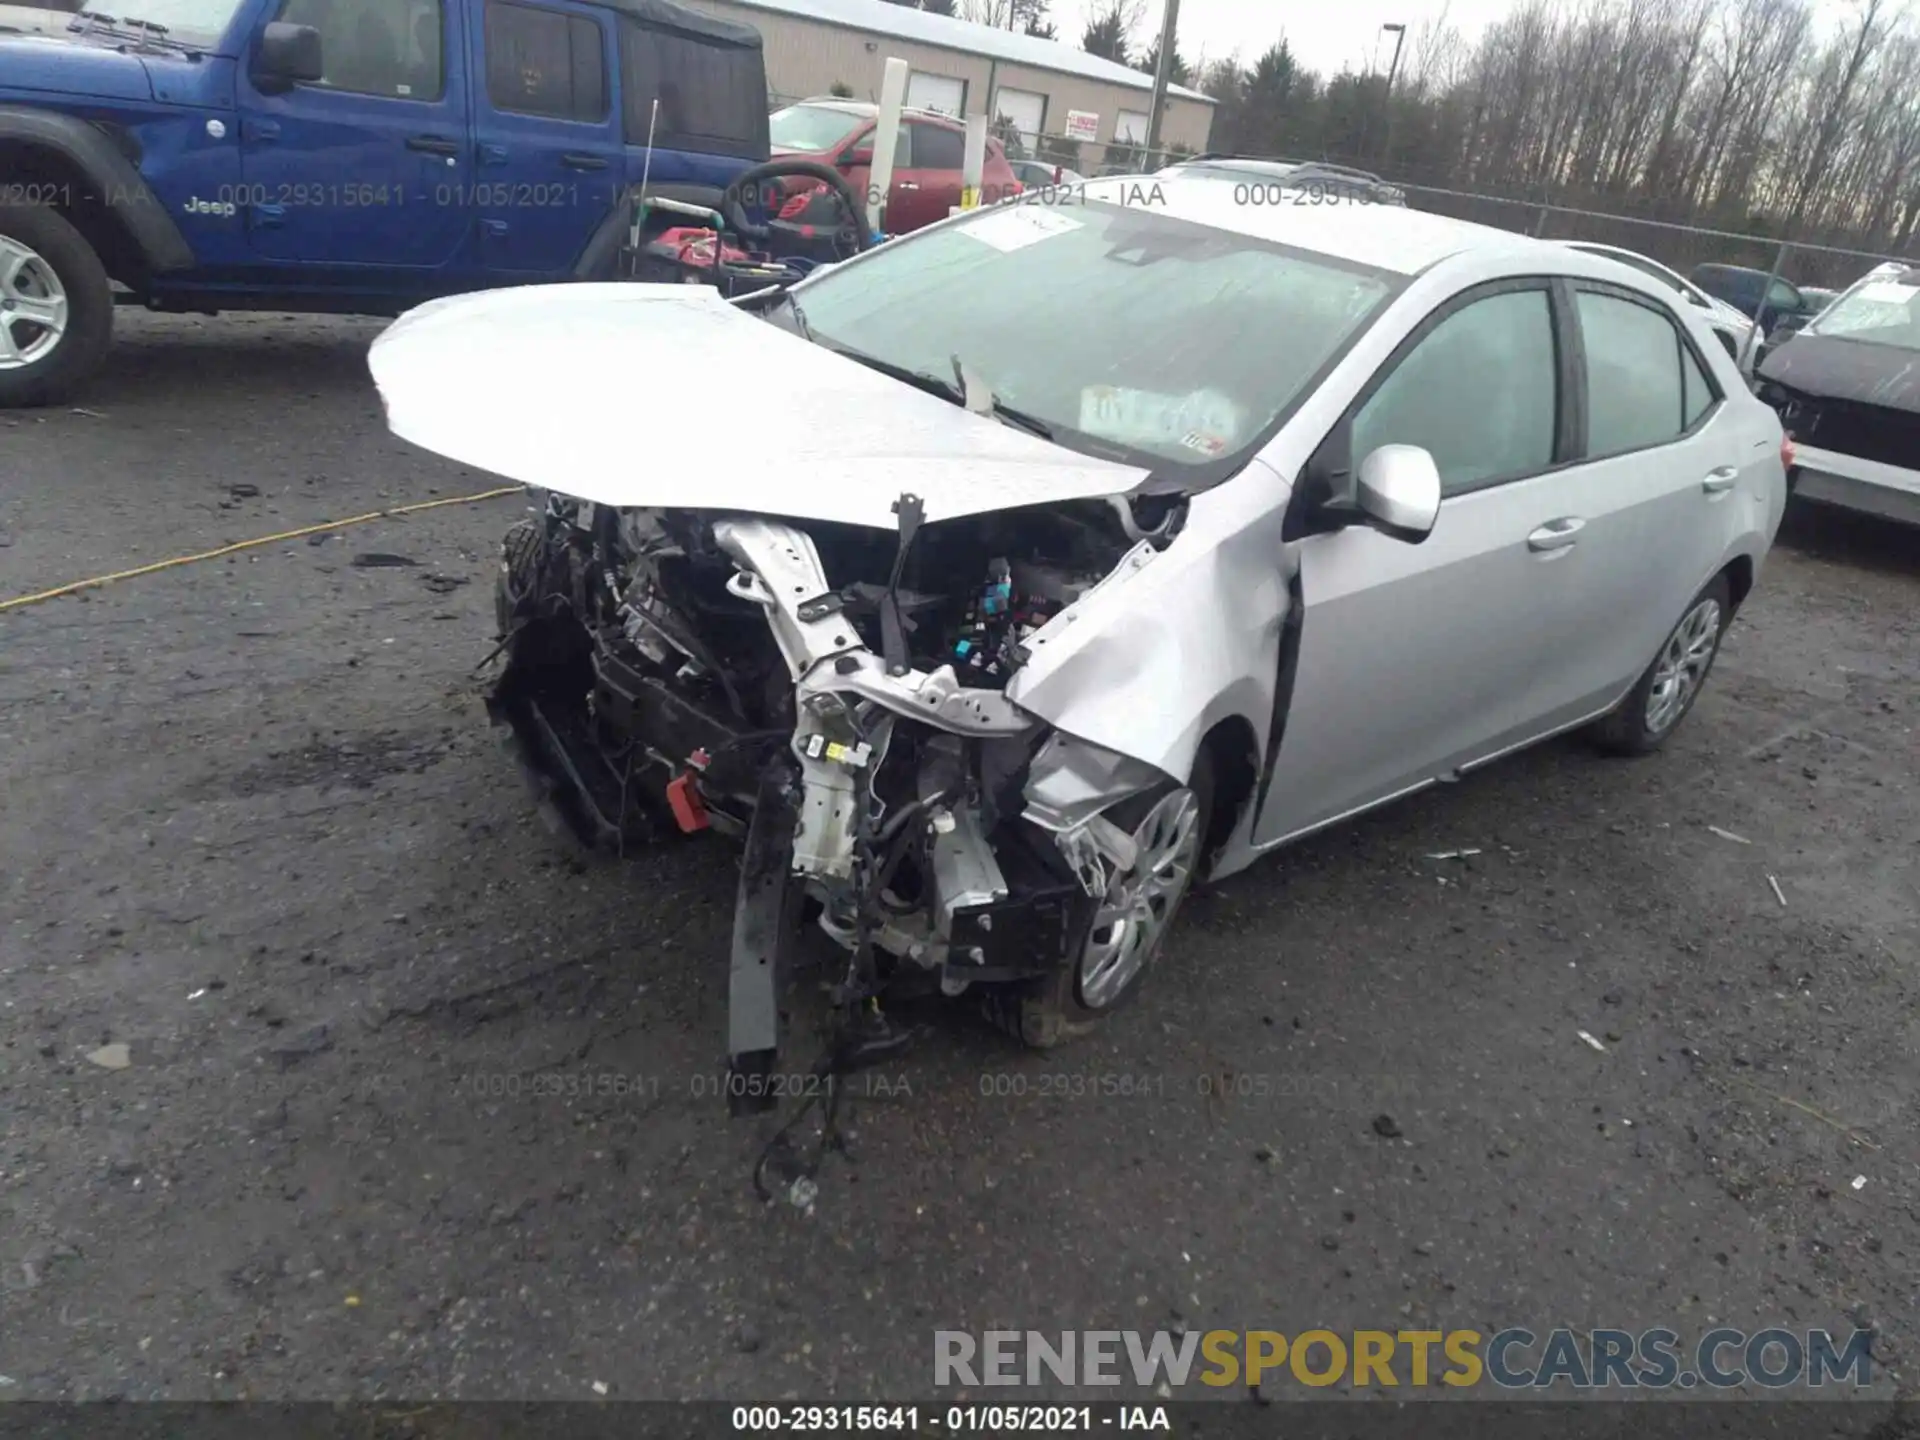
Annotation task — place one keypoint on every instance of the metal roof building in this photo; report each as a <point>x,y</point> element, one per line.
<point>1045,87</point>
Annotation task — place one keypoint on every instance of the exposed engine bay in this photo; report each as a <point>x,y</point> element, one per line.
<point>833,694</point>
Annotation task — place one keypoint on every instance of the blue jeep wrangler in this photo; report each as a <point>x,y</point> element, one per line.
<point>339,156</point>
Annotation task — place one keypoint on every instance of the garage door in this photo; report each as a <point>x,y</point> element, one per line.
<point>937,92</point>
<point>1131,127</point>
<point>1026,110</point>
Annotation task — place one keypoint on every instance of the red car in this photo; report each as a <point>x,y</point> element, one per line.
<point>926,162</point>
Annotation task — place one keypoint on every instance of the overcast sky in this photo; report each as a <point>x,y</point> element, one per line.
<point>1325,36</point>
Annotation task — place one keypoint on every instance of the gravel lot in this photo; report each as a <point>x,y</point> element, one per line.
<point>414,1104</point>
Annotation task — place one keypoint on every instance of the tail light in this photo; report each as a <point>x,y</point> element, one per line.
<point>1058,171</point>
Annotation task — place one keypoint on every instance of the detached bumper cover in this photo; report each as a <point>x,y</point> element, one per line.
<point>1866,485</point>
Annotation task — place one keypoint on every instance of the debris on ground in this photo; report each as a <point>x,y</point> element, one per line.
<point>312,1041</point>
<point>380,560</point>
<point>443,584</point>
<point>1859,1182</point>
<point>111,1057</point>
<point>90,414</point>
<point>1777,893</point>
<point>1452,854</point>
<point>1595,1044</point>
<point>243,490</point>
<point>599,1387</point>
<point>1385,1127</point>
<point>1729,835</point>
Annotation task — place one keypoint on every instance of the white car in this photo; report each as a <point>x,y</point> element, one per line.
<point>1734,330</point>
<point>1003,579</point>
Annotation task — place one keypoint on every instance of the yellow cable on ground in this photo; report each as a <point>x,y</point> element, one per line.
<point>253,544</point>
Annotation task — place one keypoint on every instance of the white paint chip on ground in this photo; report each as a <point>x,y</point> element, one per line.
<point>1859,1182</point>
<point>1729,835</point>
<point>111,1057</point>
<point>1591,1041</point>
<point>599,1387</point>
<point>1777,892</point>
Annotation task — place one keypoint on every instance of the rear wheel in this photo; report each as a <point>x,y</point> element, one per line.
<point>1169,826</point>
<point>1655,707</point>
<point>56,307</point>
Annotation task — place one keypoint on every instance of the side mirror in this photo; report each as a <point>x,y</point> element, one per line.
<point>1397,490</point>
<point>288,55</point>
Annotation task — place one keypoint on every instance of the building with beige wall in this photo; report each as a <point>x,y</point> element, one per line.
<point>1044,87</point>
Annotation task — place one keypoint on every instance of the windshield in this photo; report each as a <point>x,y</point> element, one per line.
<point>1125,331</point>
<point>810,128</point>
<point>1878,311</point>
<point>193,22</point>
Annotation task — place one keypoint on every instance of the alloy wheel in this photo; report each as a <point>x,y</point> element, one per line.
<point>33,306</point>
<point>1683,665</point>
<point>1139,904</point>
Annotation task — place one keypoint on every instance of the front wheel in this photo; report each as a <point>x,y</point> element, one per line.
<point>56,307</point>
<point>1654,708</point>
<point>1169,826</point>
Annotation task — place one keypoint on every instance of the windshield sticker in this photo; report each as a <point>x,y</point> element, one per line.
<point>1883,292</point>
<point>1019,226</point>
<point>1205,420</point>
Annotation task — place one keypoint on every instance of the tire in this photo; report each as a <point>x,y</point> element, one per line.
<point>1067,1004</point>
<point>45,261</point>
<point>1638,725</point>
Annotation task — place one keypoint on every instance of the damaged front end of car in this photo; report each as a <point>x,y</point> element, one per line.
<point>834,695</point>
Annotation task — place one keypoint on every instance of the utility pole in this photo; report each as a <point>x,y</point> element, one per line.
<point>1162,72</point>
<point>1399,33</point>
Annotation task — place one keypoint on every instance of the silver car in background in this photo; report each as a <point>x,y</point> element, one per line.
<point>1102,545</point>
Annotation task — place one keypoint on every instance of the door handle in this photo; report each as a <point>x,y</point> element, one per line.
<point>907,184</point>
<point>1719,481</point>
<point>1556,534</point>
<point>583,162</point>
<point>434,145</point>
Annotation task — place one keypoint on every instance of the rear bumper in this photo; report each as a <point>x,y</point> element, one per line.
<point>1869,486</point>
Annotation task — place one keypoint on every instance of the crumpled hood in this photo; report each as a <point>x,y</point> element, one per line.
<point>1833,369</point>
<point>667,396</point>
<point>70,65</point>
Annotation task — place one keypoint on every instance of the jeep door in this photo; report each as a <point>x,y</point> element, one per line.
<point>547,131</point>
<point>363,168</point>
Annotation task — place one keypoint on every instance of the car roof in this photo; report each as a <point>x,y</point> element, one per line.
<point>1386,237</point>
<point>1274,168</point>
<point>867,110</point>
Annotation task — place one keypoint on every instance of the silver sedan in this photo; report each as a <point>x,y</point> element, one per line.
<point>1096,544</point>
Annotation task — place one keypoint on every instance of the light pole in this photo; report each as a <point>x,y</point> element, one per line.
<point>1162,74</point>
<point>1399,33</point>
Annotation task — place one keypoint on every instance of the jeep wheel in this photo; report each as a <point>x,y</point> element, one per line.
<point>56,307</point>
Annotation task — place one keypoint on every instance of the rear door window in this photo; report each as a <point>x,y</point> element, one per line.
<point>543,62</point>
<point>1645,386</point>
